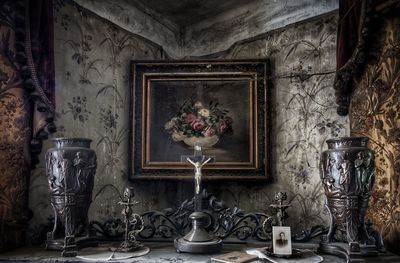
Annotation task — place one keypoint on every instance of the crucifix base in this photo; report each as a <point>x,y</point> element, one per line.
<point>208,247</point>
<point>198,240</point>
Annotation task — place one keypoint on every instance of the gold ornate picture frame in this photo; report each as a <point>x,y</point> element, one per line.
<point>221,105</point>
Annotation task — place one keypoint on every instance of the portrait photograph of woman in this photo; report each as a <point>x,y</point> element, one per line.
<point>282,244</point>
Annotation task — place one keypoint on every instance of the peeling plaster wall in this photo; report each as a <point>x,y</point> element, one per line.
<point>92,59</point>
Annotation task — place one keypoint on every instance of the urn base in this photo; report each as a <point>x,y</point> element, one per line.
<point>69,245</point>
<point>352,252</point>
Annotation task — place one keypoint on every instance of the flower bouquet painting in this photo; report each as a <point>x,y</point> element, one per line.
<point>195,123</point>
<point>220,105</point>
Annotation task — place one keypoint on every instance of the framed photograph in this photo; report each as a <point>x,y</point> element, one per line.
<point>223,106</point>
<point>282,243</point>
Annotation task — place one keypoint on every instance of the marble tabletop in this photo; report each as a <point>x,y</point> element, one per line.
<point>160,253</point>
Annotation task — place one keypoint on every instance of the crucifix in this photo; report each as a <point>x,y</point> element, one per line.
<point>198,240</point>
<point>198,160</point>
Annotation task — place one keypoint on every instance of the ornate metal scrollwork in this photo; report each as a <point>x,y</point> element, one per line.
<point>231,224</point>
<point>224,222</point>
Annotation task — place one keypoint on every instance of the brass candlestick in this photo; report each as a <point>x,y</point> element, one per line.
<point>134,224</point>
<point>281,214</point>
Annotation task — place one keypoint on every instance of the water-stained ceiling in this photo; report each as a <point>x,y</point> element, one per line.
<point>188,12</point>
<point>200,27</point>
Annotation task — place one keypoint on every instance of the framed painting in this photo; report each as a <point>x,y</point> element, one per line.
<point>223,106</point>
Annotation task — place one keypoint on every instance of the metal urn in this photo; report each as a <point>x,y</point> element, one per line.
<point>347,172</point>
<point>70,168</point>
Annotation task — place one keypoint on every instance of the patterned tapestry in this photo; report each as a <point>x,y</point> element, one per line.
<point>375,113</point>
<point>92,70</point>
<point>26,106</point>
<point>15,133</point>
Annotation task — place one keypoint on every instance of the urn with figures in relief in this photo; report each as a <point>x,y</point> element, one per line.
<point>347,171</point>
<point>70,168</point>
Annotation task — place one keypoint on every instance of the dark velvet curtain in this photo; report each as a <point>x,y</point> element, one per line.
<point>348,30</point>
<point>26,106</point>
<point>41,31</point>
<point>42,72</point>
<point>349,40</point>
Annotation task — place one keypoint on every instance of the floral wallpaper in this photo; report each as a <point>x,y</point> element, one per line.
<point>92,63</point>
<point>375,113</point>
<point>92,71</point>
<point>303,114</point>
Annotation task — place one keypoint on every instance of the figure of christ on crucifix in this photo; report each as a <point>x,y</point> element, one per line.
<point>198,160</point>
<point>197,174</point>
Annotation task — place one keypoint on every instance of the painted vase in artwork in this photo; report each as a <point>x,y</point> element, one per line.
<point>347,171</point>
<point>205,142</point>
<point>70,167</point>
